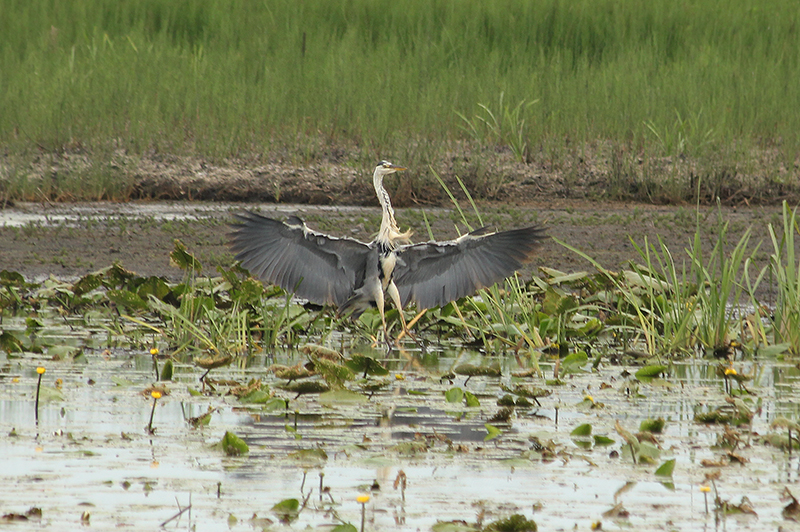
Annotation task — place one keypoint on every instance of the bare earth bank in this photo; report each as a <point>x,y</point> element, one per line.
<point>69,240</point>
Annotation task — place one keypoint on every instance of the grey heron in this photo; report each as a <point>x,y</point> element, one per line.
<point>353,275</point>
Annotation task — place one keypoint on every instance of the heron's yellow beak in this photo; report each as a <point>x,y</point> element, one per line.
<point>399,168</point>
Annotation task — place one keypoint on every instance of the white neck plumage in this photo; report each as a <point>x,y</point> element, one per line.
<point>389,233</point>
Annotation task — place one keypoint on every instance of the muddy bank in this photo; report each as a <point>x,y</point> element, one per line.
<point>69,240</point>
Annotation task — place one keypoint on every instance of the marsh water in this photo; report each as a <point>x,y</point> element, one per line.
<point>91,450</point>
<point>422,457</point>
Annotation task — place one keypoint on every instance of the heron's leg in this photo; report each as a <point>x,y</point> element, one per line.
<point>394,294</point>
<point>379,303</point>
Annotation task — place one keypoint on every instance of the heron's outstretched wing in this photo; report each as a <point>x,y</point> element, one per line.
<point>435,273</point>
<point>317,267</point>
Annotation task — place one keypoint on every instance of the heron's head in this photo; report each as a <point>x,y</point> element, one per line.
<point>386,168</point>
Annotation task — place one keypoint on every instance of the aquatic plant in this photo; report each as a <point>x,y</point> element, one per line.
<point>786,269</point>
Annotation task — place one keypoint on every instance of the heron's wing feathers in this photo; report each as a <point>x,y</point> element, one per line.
<point>435,273</point>
<point>317,267</point>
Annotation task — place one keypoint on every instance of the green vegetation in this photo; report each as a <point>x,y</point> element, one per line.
<point>653,95</point>
<point>653,309</point>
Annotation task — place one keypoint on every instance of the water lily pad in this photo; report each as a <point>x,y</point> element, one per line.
<point>127,299</point>
<point>454,395</point>
<point>48,394</point>
<point>275,404</point>
<point>320,351</point>
<point>470,400</point>
<point>492,432</point>
<point>156,287</point>
<point>574,362</point>
<point>290,373</point>
<point>306,387</point>
<point>334,374</point>
<point>515,523</point>
<point>335,397</point>
<point>649,372</point>
<point>203,420</point>
<point>214,361</point>
<point>366,365</point>
<point>471,370</point>
<point>62,352</point>
<point>656,426</point>
<point>233,445</point>
<point>256,397</point>
<point>121,381</point>
<point>582,430</point>
<point>309,457</point>
<point>287,510</point>
<point>666,469</point>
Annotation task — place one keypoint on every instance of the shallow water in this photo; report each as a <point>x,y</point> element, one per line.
<point>91,451</point>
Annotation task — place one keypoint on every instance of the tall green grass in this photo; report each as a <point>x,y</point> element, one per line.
<point>708,78</point>
<point>227,75</point>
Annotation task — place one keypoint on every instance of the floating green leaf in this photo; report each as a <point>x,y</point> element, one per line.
<point>233,445</point>
<point>652,425</point>
<point>121,381</point>
<point>154,286</point>
<point>287,510</point>
<point>648,451</point>
<point>48,394</point>
<point>366,365</point>
<point>454,395</point>
<point>666,469</point>
<point>257,397</point>
<point>275,404</point>
<point>649,372</point>
<point>471,370</point>
<point>492,432</point>
<point>582,430</point>
<point>203,420</point>
<point>342,396</point>
<point>470,400</point>
<point>334,374</point>
<point>309,457</point>
<point>306,387</point>
<point>62,352</point>
<point>573,362</point>
<point>127,299</point>
<point>515,523</point>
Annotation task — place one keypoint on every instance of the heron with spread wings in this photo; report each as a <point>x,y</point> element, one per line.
<point>354,276</point>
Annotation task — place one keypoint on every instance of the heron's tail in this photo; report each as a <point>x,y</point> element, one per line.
<point>355,306</point>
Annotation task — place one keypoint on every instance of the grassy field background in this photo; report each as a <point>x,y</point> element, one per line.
<point>660,92</point>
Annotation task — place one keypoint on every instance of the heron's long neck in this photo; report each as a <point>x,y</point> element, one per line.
<point>389,232</point>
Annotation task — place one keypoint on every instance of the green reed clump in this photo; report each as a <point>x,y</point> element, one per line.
<point>721,280</point>
<point>669,297</point>
<point>786,271</point>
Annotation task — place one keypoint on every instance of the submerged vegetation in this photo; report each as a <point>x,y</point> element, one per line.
<point>640,99</point>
